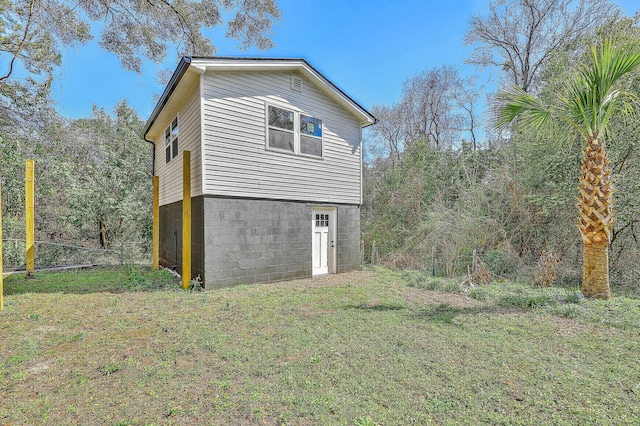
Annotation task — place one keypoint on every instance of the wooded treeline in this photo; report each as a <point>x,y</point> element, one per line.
<point>93,175</point>
<point>432,182</point>
<point>92,181</point>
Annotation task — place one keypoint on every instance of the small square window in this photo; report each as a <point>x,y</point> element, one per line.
<point>322,220</point>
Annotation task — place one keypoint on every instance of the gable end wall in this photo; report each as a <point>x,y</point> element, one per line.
<point>188,139</point>
<point>236,160</point>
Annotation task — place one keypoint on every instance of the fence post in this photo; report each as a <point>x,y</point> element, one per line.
<point>122,253</point>
<point>30,226</point>
<point>474,261</point>
<point>186,219</point>
<point>361,254</point>
<point>373,253</point>
<point>156,223</point>
<point>433,261</point>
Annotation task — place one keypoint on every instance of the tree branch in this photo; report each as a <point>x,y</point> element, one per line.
<point>24,39</point>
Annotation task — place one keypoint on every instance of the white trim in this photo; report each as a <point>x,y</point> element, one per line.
<point>203,173</point>
<point>242,64</point>
<point>361,166</point>
<point>172,137</point>
<point>192,65</point>
<point>292,132</point>
<point>332,240</point>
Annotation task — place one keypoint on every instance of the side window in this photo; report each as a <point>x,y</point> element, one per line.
<point>294,132</point>
<point>171,141</point>
<point>281,134</point>
<point>167,145</point>
<point>310,135</point>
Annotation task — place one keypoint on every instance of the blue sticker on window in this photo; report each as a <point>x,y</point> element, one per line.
<point>310,126</point>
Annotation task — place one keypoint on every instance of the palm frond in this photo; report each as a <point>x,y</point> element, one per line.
<point>514,102</point>
<point>593,96</point>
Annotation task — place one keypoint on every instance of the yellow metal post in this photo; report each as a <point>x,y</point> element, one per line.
<point>186,219</point>
<point>1,285</point>
<point>30,227</point>
<point>156,223</point>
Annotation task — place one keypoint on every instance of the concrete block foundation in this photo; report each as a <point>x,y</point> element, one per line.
<point>245,241</point>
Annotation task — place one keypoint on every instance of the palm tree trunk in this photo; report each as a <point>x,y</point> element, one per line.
<point>595,271</point>
<point>596,218</point>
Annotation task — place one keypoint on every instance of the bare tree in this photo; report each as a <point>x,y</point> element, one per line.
<point>519,36</point>
<point>437,107</point>
<point>428,105</point>
<point>388,133</point>
<point>466,96</point>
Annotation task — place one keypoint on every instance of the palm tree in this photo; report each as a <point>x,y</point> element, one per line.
<point>592,97</point>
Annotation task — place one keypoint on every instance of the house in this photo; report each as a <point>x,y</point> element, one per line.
<point>276,170</point>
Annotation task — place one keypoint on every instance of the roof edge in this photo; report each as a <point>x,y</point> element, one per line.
<point>187,61</point>
<point>181,69</point>
<point>303,62</point>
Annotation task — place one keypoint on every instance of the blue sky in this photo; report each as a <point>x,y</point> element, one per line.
<point>368,48</point>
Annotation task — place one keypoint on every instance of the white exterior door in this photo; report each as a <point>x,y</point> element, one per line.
<point>323,226</point>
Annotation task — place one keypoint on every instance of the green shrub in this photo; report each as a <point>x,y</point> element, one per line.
<point>500,262</point>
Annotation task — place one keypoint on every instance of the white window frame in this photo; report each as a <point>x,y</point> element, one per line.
<point>296,131</point>
<point>168,140</point>
<point>311,136</point>
<point>268,127</point>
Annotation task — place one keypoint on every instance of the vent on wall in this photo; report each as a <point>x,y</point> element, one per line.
<point>296,83</point>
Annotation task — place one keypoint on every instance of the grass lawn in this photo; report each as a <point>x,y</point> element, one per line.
<point>367,348</point>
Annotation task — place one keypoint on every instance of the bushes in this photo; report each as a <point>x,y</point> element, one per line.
<point>501,262</point>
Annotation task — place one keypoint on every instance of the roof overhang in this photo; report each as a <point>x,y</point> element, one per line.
<point>189,69</point>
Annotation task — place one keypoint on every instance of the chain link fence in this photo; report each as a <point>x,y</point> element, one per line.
<point>49,255</point>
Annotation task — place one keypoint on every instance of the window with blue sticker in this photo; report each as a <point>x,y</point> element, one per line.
<point>310,126</point>
<point>294,132</point>
<point>310,135</point>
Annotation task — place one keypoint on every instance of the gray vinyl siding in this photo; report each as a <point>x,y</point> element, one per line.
<point>188,139</point>
<point>237,162</point>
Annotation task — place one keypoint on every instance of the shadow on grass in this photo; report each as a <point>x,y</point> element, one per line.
<point>131,278</point>
<point>438,314</point>
<point>445,313</point>
<point>378,307</point>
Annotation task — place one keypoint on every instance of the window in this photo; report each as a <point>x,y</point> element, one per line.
<point>294,132</point>
<point>281,133</point>
<point>322,220</point>
<point>171,141</point>
<point>310,135</point>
